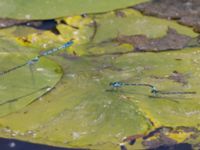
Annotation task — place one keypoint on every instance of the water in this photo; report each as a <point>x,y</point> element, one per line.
<point>12,144</point>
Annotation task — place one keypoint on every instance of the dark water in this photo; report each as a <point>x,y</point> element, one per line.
<point>12,144</point>
<point>42,25</point>
<point>181,146</point>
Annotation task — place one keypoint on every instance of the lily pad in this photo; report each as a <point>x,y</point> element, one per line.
<point>80,112</point>
<point>172,41</point>
<point>89,32</point>
<point>48,9</point>
<point>22,86</point>
<point>83,110</point>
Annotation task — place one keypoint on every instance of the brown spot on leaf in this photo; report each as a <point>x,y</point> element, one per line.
<point>178,59</point>
<point>158,138</point>
<point>175,76</point>
<point>161,140</point>
<point>178,77</point>
<point>171,41</point>
<point>25,40</point>
<point>25,112</point>
<point>120,14</point>
<point>184,11</point>
<point>10,22</point>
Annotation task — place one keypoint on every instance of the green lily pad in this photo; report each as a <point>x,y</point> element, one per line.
<point>81,113</point>
<point>135,23</point>
<point>22,86</point>
<point>82,110</point>
<point>48,9</point>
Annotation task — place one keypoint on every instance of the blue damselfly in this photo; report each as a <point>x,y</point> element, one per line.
<point>154,91</point>
<point>37,58</point>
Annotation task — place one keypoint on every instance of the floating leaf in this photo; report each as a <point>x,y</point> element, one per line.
<point>80,108</point>
<point>83,111</point>
<point>48,9</point>
<point>94,27</point>
<point>22,86</point>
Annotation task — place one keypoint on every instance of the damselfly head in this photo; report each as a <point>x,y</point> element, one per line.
<point>154,91</point>
<point>69,43</point>
<point>34,60</point>
<point>116,84</point>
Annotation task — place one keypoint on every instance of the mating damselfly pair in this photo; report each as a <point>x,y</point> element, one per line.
<point>154,90</point>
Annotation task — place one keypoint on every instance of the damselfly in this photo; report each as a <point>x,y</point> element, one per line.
<point>154,91</point>
<point>37,58</point>
<point>16,86</point>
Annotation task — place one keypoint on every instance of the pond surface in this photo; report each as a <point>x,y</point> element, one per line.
<point>79,108</point>
<point>12,144</point>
